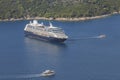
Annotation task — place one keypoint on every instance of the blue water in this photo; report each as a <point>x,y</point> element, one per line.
<point>83,56</point>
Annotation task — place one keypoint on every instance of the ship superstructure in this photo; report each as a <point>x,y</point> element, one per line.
<point>42,32</point>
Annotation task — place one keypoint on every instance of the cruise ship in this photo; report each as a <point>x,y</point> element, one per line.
<point>47,33</point>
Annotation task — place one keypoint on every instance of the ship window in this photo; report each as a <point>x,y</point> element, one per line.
<point>57,30</point>
<point>30,26</point>
<point>49,30</point>
<point>41,26</point>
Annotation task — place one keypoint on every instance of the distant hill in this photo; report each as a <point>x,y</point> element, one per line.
<point>57,8</point>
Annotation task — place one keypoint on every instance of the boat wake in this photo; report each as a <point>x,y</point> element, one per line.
<point>100,36</point>
<point>93,37</point>
<point>20,76</point>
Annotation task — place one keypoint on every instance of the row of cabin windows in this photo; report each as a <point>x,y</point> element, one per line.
<point>49,30</point>
<point>37,28</point>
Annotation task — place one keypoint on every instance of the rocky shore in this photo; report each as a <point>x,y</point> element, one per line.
<point>81,18</point>
<point>62,19</point>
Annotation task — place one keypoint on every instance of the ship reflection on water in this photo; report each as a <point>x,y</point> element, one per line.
<point>43,46</point>
<point>43,55</point>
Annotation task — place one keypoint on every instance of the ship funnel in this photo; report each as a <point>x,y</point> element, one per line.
<point>35,22</point>
<point>50,24</point>
<point>41,23</point>
<point>30,22</point>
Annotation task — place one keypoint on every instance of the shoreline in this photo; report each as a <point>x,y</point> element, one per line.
<point>63,19</point>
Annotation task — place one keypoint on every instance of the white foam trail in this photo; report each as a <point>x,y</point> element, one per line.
<point>93,37</point>
<point>19,76</point>
<point>100,36</point>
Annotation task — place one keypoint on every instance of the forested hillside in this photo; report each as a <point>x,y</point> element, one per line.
<point>56,8</point>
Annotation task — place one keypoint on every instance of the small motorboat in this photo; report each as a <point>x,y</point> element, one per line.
<point>102,36</point>
<point>47,73</point>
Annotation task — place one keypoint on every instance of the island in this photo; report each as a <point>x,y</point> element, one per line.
<point>67,10</point>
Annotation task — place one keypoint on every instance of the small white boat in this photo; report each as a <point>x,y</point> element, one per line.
<point>102,36</point>
<point>47,73</point>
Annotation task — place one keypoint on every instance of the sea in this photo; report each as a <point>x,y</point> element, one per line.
<point>83,56</point>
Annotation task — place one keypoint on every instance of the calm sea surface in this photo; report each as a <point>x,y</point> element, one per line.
<point>83,56</point>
